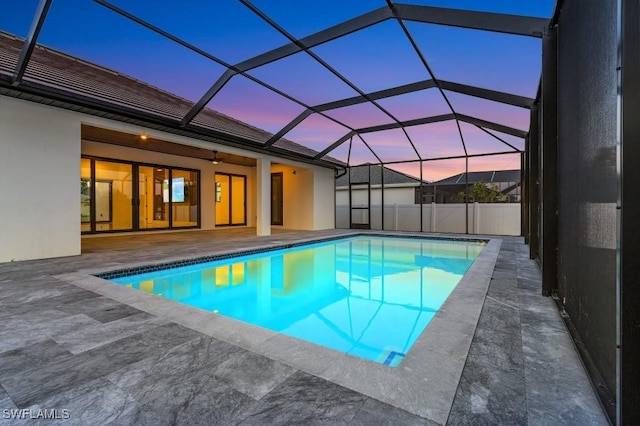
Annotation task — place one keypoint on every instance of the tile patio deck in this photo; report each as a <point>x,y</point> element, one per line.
<point>128,360</point>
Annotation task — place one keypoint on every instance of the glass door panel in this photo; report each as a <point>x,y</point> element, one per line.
<point>184,198</point>
<point>277,216</point>
<point>85,195</point>
<point>231,199</point>
<point>238,200</point>
<point>154,203</point>
<point>114,194</point>
<point>223,202</point>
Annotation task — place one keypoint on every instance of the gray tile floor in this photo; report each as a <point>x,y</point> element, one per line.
<point>66,347</point>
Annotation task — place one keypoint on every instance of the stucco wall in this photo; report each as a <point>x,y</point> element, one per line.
<point>298,196</point>
<point>39,181</point>
<point>323,199</point>
<point>40,150</point>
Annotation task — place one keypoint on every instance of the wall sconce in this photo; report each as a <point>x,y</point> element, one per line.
<point>293,172</point>
<point>215,158</point>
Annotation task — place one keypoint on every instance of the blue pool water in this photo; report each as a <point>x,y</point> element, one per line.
<point>367,296</point>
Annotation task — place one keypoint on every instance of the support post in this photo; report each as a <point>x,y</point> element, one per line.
<point>382,196</point>
<point>524,193</point>
<point>434,209</point>
<point>350,212</point>
<point>534,206</point>
<point>466,195</point>
<point>549,166</point>
<point>628,397</point>
<point>263,192</point>
<point>369,197</point>
<point>476,218</point>
<point>421,198</point>
<point>395,216</point>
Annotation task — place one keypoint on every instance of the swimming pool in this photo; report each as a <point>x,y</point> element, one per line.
<point>368,296</point>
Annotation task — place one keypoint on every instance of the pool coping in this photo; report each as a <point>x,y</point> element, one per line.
<point>124,272</point>
<point>424,383</point>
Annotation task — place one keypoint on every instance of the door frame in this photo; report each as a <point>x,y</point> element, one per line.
<point>281,198</point>
<point>230,176</point>
<point>135,195</point>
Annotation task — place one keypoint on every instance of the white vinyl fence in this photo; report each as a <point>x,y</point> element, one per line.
<point>494,219</point>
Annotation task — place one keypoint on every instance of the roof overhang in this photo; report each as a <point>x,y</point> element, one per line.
<point>46,95</point>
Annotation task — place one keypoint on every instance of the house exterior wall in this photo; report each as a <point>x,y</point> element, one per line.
<point>40,151</point>
<point>207,174</point>
<point>298,199</point>
<point>39,181</point>
<point>323,199</point>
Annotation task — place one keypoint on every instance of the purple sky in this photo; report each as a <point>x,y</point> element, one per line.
<point>375,58</point>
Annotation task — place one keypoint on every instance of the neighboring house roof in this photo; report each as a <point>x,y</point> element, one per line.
<point>487,177</point>
<point>69,74</point>
<point>391,177</point>
<point>361,174</point>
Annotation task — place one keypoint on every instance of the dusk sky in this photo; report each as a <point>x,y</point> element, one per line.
<point>375,58</point>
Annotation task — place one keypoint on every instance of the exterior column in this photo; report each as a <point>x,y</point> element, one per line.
<point>628,397</point>
<point>434,209</point>
<point>263,192</point>
<point>548,160</point>
<point>533,187</point>
<point>476,218</point>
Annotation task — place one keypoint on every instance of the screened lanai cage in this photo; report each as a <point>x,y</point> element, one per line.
<point>407,102</point>
<point>427,90</point>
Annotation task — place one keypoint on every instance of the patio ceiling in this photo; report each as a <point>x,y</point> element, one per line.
<point>378,82</point>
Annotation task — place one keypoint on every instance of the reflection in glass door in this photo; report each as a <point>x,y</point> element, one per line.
<point>153,210</point>
<point>231,199</point>
<point>223,205</point>
<point>104,202</point>
<point>184,197</point>
<point>277,208</point>
<point>85,195</point>
<point>238,200</point>
<point>114,194</point>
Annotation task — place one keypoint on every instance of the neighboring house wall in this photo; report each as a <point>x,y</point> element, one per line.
<point>392,195</point>
<point>39,181</point>
<point>491,219</point>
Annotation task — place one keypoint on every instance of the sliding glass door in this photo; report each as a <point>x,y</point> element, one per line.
<point>86,195</point>
<point>184,198</point>
<point>231,199</point>
<point>113,196</point>
<point>153,211</point>
<point>124,196</point>
<point>277,199</point>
